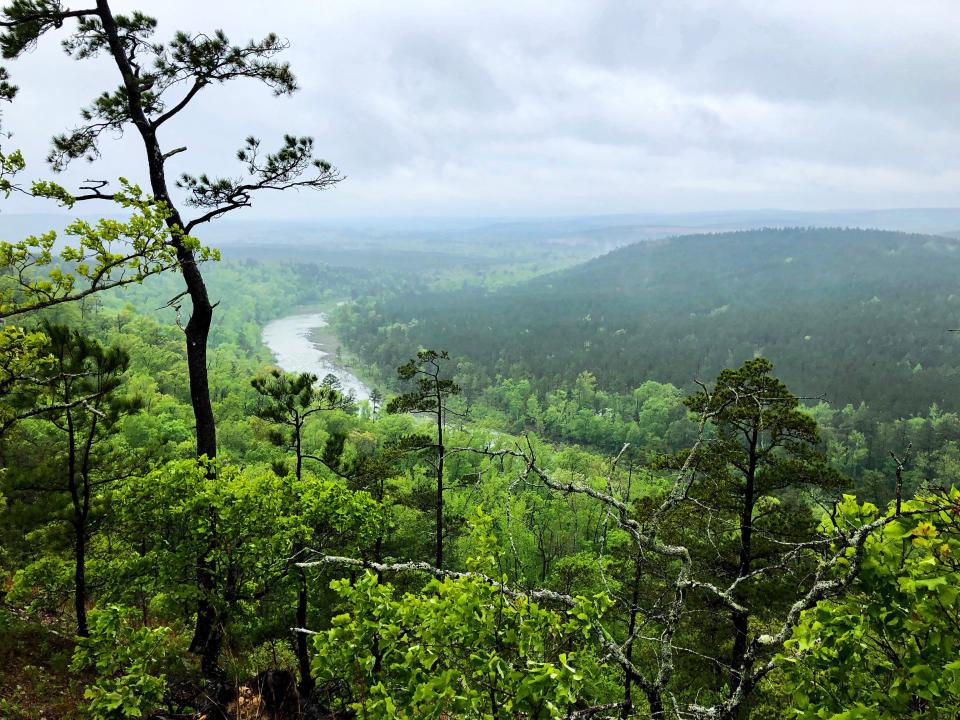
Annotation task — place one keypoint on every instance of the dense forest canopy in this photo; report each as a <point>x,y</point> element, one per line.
<point>603,470</point>
<point>846,315</point>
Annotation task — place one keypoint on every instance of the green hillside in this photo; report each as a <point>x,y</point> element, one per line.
<point>852,315</point>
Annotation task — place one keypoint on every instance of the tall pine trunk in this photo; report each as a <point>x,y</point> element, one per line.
<point>206,635</point>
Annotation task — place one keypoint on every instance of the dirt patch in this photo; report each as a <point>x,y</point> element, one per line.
<point>36,682</point>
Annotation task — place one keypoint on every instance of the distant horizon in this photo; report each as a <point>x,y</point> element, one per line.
<point>241,217</point>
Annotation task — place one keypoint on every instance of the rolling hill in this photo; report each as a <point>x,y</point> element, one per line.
<point>851,315</point>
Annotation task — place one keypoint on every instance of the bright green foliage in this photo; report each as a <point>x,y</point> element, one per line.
<point>110,253</point>
<point>461,648</point>
<point>10,163</point>
<point>244,524</point>
<point>42,586</point>
<point>107,254</point>
<point>288,400</point>
<point>889,648</point>
<point>460,645</point>
<point>128,661</point>
<point>22,358</point>
<point>76,409</point>
<point>652,418</point>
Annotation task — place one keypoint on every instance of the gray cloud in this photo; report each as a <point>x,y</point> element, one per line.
<point>567,106</point>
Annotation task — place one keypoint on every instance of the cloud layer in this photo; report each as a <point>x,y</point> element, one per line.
<point>566,107</point>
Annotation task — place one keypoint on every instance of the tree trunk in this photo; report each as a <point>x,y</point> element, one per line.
<point>210,656</point>
<point>197,329</point>
<point>300,639</point>
<point>440,454</point>
<point>303,656</point>
<point>298,445</point>
<point>628,650</point>
<point>206,615</point>
<point>741,620</point>
<point>80,580</point>
<point>655,701</point>
<point>79,527</point>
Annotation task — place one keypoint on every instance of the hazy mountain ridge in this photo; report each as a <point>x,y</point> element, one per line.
<point>848,314</point>
<point>362,242</point>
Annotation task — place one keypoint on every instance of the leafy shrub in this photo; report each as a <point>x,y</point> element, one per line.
<point>43,585</point>
<point>129,662</point>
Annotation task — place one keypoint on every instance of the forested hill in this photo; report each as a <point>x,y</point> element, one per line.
<point>849,314</point>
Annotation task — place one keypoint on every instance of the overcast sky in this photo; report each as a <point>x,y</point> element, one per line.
<point>530,107</point>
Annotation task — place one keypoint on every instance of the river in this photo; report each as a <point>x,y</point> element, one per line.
<point>289,339</point>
